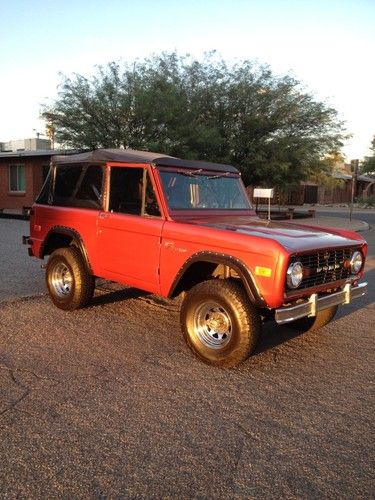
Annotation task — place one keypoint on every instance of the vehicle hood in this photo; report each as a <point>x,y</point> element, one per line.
<point>293,237</point>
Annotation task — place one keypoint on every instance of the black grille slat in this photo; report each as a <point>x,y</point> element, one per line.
<point>324,267</point>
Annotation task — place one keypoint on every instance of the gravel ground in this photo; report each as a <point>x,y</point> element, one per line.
<point>108,402</point>
<point>20,275</point>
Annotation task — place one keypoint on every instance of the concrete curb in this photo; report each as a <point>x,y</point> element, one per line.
<point>13,216</point>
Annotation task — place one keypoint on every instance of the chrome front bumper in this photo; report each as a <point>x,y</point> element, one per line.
<point>315,303</point>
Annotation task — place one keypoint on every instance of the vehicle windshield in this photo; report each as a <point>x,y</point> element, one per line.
<point>190,190</point>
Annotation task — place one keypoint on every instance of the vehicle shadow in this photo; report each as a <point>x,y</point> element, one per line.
<point>107,292</point>
<point>274,335</point>
<point>107,296</point>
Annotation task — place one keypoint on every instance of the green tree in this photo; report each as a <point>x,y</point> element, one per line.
<point>368,165</point>
<point>242,114</point>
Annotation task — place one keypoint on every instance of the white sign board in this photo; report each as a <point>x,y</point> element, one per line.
<point>263,193</point>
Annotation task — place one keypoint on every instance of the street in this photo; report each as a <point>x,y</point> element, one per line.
<point>367,215</point>
<point>108,401</point>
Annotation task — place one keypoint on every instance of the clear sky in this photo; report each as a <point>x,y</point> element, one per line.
<point>329,45</point>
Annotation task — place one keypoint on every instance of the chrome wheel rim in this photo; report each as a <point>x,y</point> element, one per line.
<point>212,325</point>
<point>61,280</point>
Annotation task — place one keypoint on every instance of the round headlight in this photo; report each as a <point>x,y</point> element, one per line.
<point>356,262</point>
<point>294,275</point>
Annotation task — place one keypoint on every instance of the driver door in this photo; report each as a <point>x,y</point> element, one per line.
<point>129,233</point>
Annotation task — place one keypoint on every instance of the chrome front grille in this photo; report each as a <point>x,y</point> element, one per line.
<point>324,267</point>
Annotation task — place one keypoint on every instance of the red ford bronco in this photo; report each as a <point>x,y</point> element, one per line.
<point>170,227</point>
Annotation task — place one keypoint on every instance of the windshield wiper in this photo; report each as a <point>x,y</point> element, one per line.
<point>194,173</point>
<point>191,173</point>
<point>218,176</point>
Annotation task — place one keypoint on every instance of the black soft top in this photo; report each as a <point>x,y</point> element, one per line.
<point>133,156</point>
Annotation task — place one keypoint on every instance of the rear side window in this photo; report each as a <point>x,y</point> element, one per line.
<point>66,181</point>
<point>90,188</point>
<point>78,186</point>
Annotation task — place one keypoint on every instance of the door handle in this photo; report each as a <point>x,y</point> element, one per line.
<point>104,215</point>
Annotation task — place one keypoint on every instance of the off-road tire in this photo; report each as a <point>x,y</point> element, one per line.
<point>220,306</point>
<point>69,283</point>
<point>315,322</point>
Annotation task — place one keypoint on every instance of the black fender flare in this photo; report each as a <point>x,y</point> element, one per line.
<point>236,264</point>
<point>76,240</point>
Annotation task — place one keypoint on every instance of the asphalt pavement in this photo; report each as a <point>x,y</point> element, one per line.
<point>336,217</point>
<point>20,275</point>
<point>108,401</point>
<point>332,222</point>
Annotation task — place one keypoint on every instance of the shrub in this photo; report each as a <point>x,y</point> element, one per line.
<point>366,202</point>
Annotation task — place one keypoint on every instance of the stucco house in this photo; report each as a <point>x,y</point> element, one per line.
<point>24,165</point>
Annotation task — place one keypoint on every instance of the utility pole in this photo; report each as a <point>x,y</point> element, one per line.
<point>354,170</point>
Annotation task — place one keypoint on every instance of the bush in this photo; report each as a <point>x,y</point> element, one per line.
<point>368,202</point>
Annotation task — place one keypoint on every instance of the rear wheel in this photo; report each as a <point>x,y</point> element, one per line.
<point>219,323</point>
<point>315,322</point>
<point>69,283</point>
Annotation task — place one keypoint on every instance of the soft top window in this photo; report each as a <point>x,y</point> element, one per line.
<point>44,197</point>
<point>74,186</point>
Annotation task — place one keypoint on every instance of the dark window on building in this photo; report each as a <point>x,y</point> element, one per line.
<point>17,178</point>
<point>127,192</point>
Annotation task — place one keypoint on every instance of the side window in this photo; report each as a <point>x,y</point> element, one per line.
<point>129,194</point>
<point>90,189</point>
<point>66,179</point>
<point>78,186</point>
<point>44,196</point>
<point>45,172</point>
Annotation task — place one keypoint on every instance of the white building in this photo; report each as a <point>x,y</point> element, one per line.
<point>34,144</point>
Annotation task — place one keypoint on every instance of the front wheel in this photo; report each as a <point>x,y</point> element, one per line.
<point>68,282</point>
<point>315,322</point>
<point>219,323</point>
